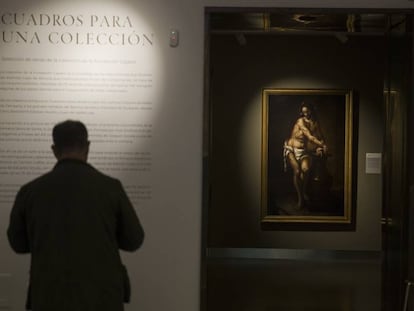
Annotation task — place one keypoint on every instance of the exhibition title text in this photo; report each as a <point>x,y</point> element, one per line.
<point>22,28</point>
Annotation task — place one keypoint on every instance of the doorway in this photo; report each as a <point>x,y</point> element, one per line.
<point>307,260</point>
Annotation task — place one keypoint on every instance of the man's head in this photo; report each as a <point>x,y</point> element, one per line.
<point>70,140</point>
<point>306,110</point>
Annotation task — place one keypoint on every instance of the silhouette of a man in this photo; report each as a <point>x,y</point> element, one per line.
<point>73,220</point>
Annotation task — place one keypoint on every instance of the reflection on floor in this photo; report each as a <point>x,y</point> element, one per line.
<point>292,285</point>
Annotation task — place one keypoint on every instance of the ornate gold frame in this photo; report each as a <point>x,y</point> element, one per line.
<point>348,217</point>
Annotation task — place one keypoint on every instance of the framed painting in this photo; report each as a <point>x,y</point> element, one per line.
<point>308,166</point>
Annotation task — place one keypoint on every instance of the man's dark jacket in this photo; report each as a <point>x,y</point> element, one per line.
<point>73,220</point>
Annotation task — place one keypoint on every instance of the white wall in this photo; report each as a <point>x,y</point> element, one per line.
<point>165,273</point>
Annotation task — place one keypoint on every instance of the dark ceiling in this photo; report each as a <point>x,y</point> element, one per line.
<point>305,22</point>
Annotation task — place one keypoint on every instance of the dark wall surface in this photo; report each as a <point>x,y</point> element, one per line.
<point>238,74</point>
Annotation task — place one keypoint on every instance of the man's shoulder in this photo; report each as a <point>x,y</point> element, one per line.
<point>85,170</point>
<point>104,176</point>
<point>37,180</point>
<point>33,185</point>
<point>103,179</point>
<point>300,121</point>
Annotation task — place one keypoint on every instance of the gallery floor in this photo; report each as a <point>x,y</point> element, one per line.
<point>292,285</point>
